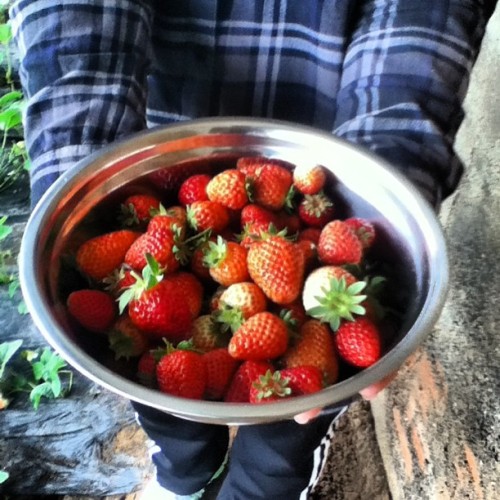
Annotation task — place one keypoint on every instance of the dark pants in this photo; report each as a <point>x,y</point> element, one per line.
<point>266,461</point>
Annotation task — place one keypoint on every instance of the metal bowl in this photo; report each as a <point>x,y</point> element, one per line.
<point>409,240</point>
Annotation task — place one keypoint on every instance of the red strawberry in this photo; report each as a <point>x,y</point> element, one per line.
<point>203,215</point>
<point>303,379</point>
<point>159,244</point>
<point>193,189</point>
<point>263,336</point>
<point>226,262</point>
<point>255,214</point>
<point>316,210</point>
<point>358,342</point>
<point>309,251</point>
<point>277,267</point>
<point>100,256</point>
<point>289,221</point>
<point>249,164</point>
<point>188,286</point>
<point>229,188</point>
<point>182,373</point>
<point>174,218</point>
<point>251,232</point>
<point>363,229</point>
<point>288,382</point>
<point>309,179</point>
<point>246,374</point>
<point>126,340</point>
<point>294,314</point>
<point>146,369</point>
<point>156,306</point>
<point>310,234</point>
<point>220,366</point>
<point>119,280</point>
<point>314,348</point>
<point>268,388</point>
<point>93,309</point>
<point>271,186</point>
<point>338,245</point>
<point>138,208</point>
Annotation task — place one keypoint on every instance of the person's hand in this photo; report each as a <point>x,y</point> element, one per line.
<point>368,393</point>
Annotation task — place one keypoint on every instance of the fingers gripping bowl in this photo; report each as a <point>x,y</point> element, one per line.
<point>82,204</point>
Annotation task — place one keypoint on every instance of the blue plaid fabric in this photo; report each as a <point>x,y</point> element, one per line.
<point>387,74</point>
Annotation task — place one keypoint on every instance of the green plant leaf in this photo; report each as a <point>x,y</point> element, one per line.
<point>7,350</point>
<point>3,476</point>
<point>4,230</point>
<point>5,33</point>
<point>10,118</point>
<point>10,97</point>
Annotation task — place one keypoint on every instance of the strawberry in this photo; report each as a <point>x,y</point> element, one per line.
<point>331,294</point>
<point>196,264</point>
<point>189,287</point>
<point>208,214</point>
<point>363,229</point>
<point>288,382</point>
<point>182,373</point>
<point>314,348</point>
<point>289,221</point>
<point>220,366</point>
<point>126,340</point>
<point>358,342</point>
<point>246,374</point>
<point>171,219</point>
<point>310,253</point>
<point>263,336</point>
<point>310,234</point>
<point>138,208</point>
<point>226,262</point>
<point>94,310</point>
<point>303,379</point>
<point>251,232</point>
<point>193,189</point>
<point>294,314</point>
<point>100,256</point>
<point>255,214</point>
<point>271,186</point>
<point>229,188</point>
<point>338,244</point>
<point>156,306</point>
<point>119,280</point>
<point>249,164</point>
<point>268,388</point>
<point>159,244</point>
<point>316,210</point>
<point>146,369</point>
<point>309,179</point>
<point>206,334</point>
<point>246,296</point>
<point>277,267</point>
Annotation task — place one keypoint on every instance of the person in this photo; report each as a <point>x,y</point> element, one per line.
<point>387,75</point>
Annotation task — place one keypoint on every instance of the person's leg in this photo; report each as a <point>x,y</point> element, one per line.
<point>187,453</point>
<point>274,460</point>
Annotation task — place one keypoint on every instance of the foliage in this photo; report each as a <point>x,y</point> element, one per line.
<point>14,159</point>
<point>9,278</point>
<point>39,373</point>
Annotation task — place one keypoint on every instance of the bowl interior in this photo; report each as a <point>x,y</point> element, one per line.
<point>409,249</point>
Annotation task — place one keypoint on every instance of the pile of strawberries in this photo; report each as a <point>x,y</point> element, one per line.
<point>245,289</point>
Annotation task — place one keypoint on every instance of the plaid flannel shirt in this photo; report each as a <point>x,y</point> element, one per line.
<point>387,74</point>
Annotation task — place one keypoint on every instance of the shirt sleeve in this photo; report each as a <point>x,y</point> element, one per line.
<point>83,69</point>
<point>404,78</point>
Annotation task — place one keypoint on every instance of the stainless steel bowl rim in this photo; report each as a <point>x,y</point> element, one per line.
<point>216,412</point>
